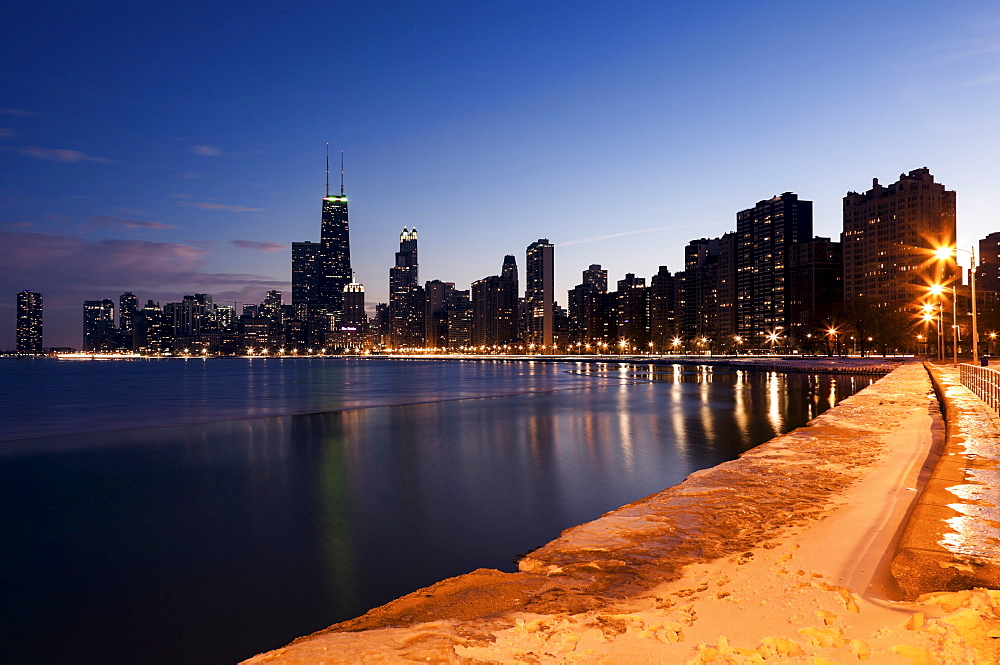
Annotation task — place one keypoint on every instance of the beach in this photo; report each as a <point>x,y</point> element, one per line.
<point>782,555</point>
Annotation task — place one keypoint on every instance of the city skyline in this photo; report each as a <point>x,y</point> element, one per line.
<point>128,166</point>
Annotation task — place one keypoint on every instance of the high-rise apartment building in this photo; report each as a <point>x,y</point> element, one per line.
<point>816,286</point>
<point>587,307</point>
<point>305,273</point>
<point>151,334</point>
<point>539,292</point>
<point>988,271</point>
<point>494,312</point>
<point>662,309</point>
<point>270,308</point>
<point>99,332</point>
<point>438,296</point>
<point>764,237</point>
<point>889,237</point>
<point>29,322</point>
<point>128,307</point>
<point>597,277</point>
<point>631,313</point>
<point>701,285</point>
<point>352,331</point>
<point>460,319</point>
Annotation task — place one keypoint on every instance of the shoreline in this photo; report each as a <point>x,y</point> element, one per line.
<point>773,552</point>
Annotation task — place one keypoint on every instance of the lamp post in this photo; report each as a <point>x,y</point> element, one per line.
<point>929,318</point>
<point>937,289</point>
<point>946,253</point>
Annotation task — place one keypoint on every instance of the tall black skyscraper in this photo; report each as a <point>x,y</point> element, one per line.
<point>320,272</point>
<point>335,253</point>
<point>29,322</point>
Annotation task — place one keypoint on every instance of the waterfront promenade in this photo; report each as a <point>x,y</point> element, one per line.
<point>786,553</point>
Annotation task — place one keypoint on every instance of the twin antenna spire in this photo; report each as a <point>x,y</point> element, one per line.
<point>328,170</point>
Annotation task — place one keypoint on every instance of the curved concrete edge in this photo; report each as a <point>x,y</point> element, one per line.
<point>951,541</point>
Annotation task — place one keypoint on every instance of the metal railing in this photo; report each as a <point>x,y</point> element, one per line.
<point>983,381</point>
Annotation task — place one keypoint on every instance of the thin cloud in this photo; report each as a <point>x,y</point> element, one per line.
<point>62,155</point>
<point>6,133</point>
<point>19,225</point>
<point>205,205</point>
<point>190,175</point>
<point>124,222</point>
<point>21,112</point>
<point>64,263</point>
<point>611,235</point>
<point>206,150</point>
<point>985,80</point>
<point>260,246</point>
<point>949,55</point>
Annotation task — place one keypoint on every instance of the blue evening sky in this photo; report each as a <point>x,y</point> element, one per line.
<point>174,148</point>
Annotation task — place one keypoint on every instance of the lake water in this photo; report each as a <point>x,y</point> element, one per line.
<point>172,511</point>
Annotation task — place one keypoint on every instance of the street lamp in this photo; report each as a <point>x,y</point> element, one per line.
<point>946,253</point>
<point>831,335</point>
<point>937,289</point>
<point>772,338</point>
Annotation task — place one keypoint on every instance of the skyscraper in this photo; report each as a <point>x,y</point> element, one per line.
<point>539,292</point>
<point>988,271</point>
<point>29,322</point>
<point>589,318</point>
<point>320,273</point>
<point>151,335</point>
<point>632,311</point>
<point>128,308</point>
<point>406,302</point>
<point>662,314</point>
<point>99,325</point>
<point>335,255</point>
<point>438,296</point>
<point>305,273</point>
<point>889,236</point>
<point>353,328</point>
<point>764,237</point>
<point>494,307</point>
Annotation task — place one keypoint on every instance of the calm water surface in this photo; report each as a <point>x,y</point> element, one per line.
<point>151,514</point>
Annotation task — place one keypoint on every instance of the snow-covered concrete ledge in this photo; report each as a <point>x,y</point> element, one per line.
<point>952,540</point>
<point>779,556</point>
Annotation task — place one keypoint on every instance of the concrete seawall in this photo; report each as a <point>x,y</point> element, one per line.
<point>952,539</point>
<point>783,553</point>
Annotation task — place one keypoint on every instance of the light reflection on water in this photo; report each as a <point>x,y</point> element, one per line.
<point>243,534</point>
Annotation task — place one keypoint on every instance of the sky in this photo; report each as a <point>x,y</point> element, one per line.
<point>177,148</point>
